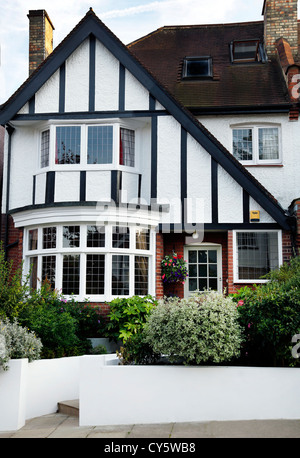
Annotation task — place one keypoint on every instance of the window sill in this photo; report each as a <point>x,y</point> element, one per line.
<point>249,282</point>
<point>262,165</point>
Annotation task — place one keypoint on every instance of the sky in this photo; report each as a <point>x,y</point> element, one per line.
<point>127,19</point>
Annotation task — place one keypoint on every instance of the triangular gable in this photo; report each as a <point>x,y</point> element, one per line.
<point>91,25</point>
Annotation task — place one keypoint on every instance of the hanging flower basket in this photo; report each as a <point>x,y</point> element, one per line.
<point>174,269</point>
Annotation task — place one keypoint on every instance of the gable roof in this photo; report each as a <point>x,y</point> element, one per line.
<point>91,25</point>
<point>233,86</point>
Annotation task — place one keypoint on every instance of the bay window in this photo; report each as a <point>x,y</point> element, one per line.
<point>68,145</point>
<point>89,261</point>
<point>45,148</point>
<point>100,145</point>
<point>87,145</point>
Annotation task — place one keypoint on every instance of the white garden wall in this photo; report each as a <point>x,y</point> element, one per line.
<point>111,394</point>
<point>29,390</point>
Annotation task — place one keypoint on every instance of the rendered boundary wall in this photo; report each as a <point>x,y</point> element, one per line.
<point>112,394</point>
<point>29,390</point>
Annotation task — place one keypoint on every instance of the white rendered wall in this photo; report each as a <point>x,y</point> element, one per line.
<point>199,176</point>
<point>107,80</point>
<point>23,166</point>
<point>47,98</point>
<point>230,198</point>
<point>67,187</point>
<point>98,184</point>
<point>282,182</point>
<point>136,96</point>
<point>77,79</point>
<point>163,394</point>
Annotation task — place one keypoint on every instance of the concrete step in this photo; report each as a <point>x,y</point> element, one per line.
<point>69,407</point>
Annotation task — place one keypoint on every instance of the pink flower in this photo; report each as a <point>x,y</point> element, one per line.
<point>240,303</point>
<point>166,263</point>
<point>163,276</point>
<point>183,282</point>
<point>249,325</point>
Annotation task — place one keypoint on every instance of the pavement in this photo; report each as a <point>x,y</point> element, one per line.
<point>58,425</point>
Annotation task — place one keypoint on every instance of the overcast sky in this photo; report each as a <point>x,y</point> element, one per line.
<point>128,19</point>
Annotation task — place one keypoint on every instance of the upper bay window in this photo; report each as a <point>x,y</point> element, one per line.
<point>100,145</point>
<point>197,67</point>
<point>87,146</point>
<point>257,145</point>
<point>45,148</point>
<point>68,145</point>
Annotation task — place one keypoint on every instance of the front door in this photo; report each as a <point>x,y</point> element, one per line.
<point>204,268</point>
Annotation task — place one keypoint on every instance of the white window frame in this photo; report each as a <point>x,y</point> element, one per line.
<point>83,251</point>
<point>205,246</point>
<point>117,124</point>
<point>235,255</point>
<point>255,143</point>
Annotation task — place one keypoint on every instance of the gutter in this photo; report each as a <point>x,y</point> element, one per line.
<point>10,131</point>
<point>240,110</point>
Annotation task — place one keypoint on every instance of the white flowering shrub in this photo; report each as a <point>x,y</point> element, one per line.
<point>201,329</point>
<point>17,342</point>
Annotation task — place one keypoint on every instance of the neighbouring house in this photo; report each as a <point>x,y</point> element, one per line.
<point>185,141</point>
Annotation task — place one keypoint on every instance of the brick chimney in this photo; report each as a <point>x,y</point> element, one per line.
<point>280,21</point>
<point>40,38</point>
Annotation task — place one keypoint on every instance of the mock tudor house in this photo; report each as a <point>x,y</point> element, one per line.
<point>185,141</point>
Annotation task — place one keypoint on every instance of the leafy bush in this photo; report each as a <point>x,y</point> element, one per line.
<point>48,315</point>
<point>12,291</point>
<point>98,350</point>
<point>17,342</point>
<point>203,328</point>
<point>127,316</point>
<point>270,316</point>
<point>136,351</point>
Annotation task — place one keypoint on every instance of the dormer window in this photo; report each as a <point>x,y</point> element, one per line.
<point>197,67</point>
<point>243,51</point>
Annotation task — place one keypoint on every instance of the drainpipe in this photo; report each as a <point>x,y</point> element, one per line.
<point>10,130</point>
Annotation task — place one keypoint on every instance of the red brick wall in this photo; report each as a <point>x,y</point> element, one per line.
<point>281,21</point>
<point>15,235</point>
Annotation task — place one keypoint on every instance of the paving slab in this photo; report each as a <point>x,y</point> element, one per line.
<point>111,432</point>
<point>64,426</point>
<point>150,431</point>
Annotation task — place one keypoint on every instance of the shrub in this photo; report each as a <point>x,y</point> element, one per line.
<point>99,350</point>
<point>46,313</point>
<point>127,316</point>
<point>137,351</point>
<point>270,316</point>
<point>203,328</point>
<point>17,342</point>
<point>12,291</point>
<point>90,322</point>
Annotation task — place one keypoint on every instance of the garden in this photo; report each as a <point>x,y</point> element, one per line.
<point>254,327</point>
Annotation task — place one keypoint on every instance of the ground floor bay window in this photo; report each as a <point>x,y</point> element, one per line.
<point>88,261</point>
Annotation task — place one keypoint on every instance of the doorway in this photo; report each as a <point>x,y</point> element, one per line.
<point>204,268</point>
